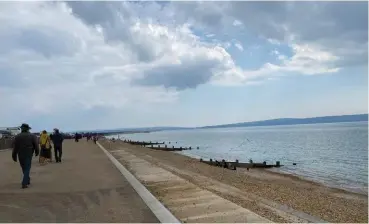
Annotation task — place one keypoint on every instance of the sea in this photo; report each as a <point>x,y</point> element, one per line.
<point>335,154</point>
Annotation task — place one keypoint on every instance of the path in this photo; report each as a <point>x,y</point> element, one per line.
<point>85,187</point>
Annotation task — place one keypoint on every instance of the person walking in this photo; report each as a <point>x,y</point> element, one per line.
<point>45,144</point>
<point>76,137</point>
<point>24,146</point>
<point>58,145</point>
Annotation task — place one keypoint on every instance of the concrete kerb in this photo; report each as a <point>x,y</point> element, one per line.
<point>159,210</point>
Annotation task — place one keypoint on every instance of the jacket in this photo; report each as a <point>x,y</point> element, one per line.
<point>57,139</point>
<point>45,141</point>
<point>24,145</point>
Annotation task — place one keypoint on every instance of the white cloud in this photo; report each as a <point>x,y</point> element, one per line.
<point>275,52</point>
<point>282,57</point>
<point>273,41</point>
<point>75,57</point>
<point>237,23</point>
<point>310,60</point>
<point>57,56</point>
<point>322,24</point>
<point>239,46</point>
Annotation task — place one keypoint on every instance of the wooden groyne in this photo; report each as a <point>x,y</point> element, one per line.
<point>222,163</point>
<point>158,145</point>
<point>143,143</point>
<point>166,148</point>
<point>235,164</point>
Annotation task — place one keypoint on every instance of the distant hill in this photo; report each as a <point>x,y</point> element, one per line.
<point>293,121</point>
<point>273,122</point>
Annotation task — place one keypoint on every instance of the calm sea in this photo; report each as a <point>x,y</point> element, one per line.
<point>332,154</point>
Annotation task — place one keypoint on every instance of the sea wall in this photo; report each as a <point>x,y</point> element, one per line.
<point>5,143</point>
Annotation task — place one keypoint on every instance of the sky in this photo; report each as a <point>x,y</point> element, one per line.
<point>102,65</point>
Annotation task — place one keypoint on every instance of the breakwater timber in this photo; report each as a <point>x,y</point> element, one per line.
<point>233,165</point>
<point>166,148</point>
<point>151,145</point>
<point>143,143</point>
<point>5,143</point>
<point>223,163</point>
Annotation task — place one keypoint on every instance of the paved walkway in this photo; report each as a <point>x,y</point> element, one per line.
<point>85,187</point>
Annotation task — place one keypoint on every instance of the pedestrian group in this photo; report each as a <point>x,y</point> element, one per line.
<point>26,144</point>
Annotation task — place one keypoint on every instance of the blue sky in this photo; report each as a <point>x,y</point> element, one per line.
<point>100,65</point>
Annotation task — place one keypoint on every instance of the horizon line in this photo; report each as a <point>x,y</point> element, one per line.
<point>205,126</point>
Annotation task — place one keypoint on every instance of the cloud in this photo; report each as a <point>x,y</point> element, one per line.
<point>66,65</point>
<point>309,60</point>
<point>237,23</point>
<point>239,46</point>
<point>56,57</point>
<point>318,33</point>
<point>273,41</point>
<point>340,28</point>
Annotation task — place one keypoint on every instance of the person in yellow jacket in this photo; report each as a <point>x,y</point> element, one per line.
<point>45,144</point>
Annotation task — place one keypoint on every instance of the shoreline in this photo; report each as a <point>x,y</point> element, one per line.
<point>324,202</point>
<point>316,182</point>
<point>363,189</point>
<point>293,177</point>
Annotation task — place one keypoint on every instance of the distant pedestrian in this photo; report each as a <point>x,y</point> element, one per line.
<point>24,146</point>
<point>58,145</point>
<point>95,139</point>
<point>45,143</point>
<point>76,137</point>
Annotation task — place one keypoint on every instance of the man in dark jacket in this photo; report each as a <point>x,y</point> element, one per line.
<point>24,146</point>
<point>76,137</point>
<point>57,139</point>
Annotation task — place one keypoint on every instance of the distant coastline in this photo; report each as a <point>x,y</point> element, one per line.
<point>272,122</point>
<point>296,121</point>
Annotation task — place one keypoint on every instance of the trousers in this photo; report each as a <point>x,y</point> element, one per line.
<point>58,151</point>
<point>25,164</point>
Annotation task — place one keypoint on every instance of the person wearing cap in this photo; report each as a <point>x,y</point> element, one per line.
<point>24,146</point>
<point>58,143</point>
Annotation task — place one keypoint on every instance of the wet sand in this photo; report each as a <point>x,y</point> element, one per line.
<point>262,191</point>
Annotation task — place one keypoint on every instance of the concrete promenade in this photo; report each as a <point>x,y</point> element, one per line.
<point>85,187</point>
